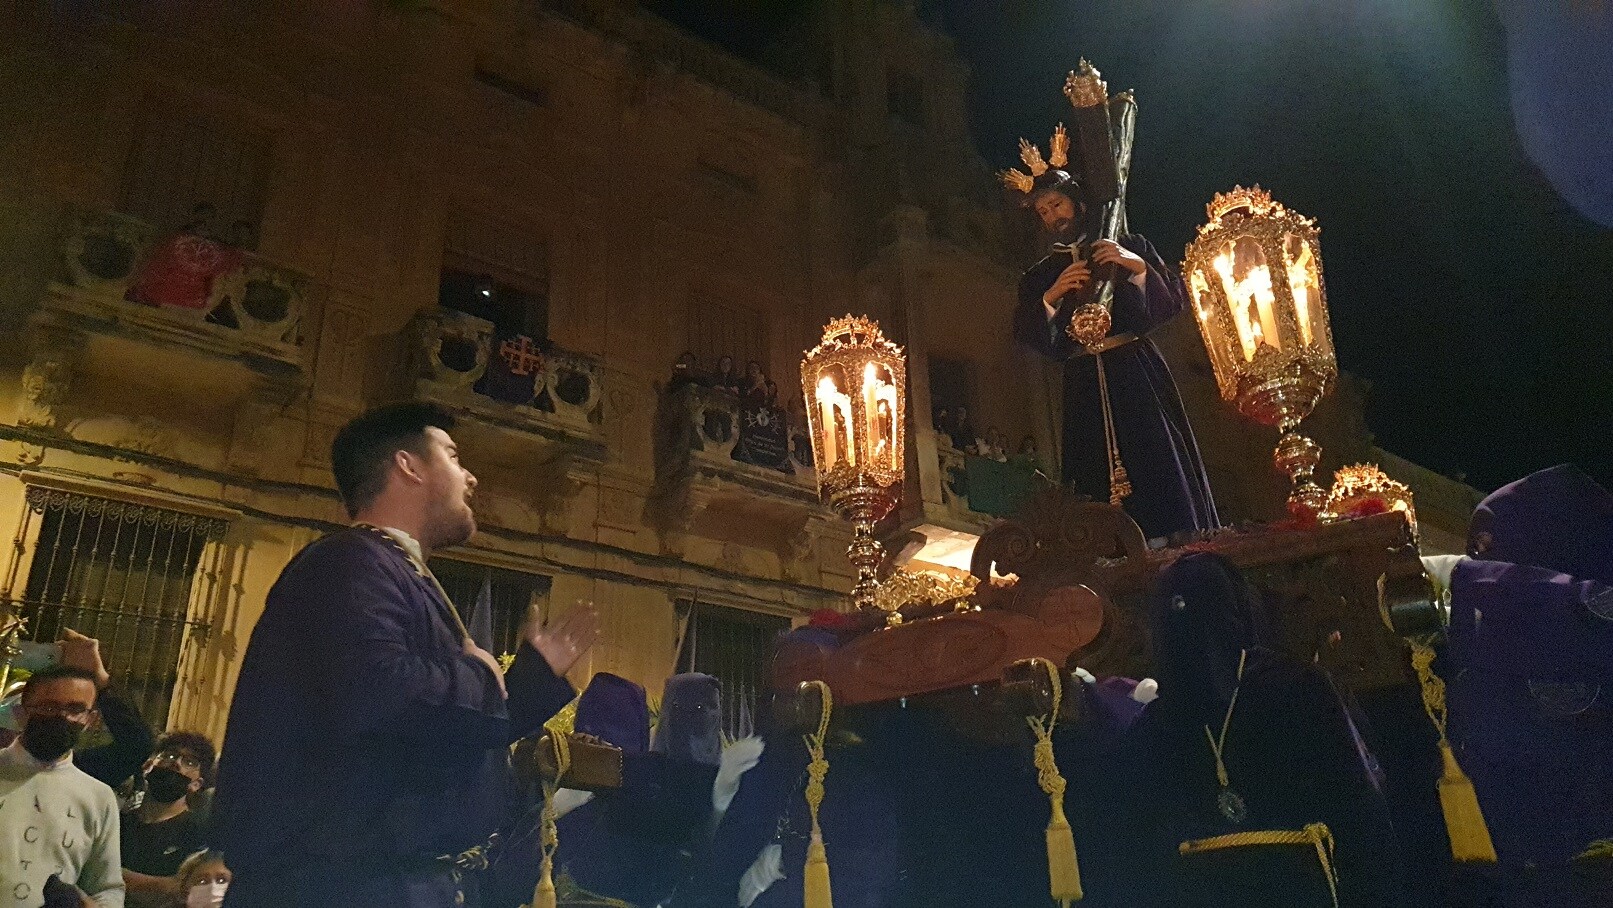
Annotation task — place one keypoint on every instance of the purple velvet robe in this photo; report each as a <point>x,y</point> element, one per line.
<point>1170,489</point>
<point>362,742</point>
<point>1529,667</point>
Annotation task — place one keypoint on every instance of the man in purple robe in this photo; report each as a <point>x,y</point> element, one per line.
<point>366,754</point>
<point>1170,491</point>
<point>1529,669</point>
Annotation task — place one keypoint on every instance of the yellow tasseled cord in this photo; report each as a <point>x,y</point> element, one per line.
<point>1470,837</point>
<point>816,874</point>
<point>559,728</point>
<point>1063,871</point>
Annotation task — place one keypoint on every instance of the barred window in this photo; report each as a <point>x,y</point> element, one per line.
<point>733,645</point>
<point>510,594</point>
<point>122,573</point>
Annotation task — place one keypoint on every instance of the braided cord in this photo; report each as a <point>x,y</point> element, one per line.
<point>1314,834</point>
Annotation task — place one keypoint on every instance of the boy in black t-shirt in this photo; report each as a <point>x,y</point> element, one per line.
<point>159,833</point>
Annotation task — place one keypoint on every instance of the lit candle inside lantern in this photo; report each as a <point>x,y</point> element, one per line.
<point>1302,281</point>
<point>1253,304</point>
<point>834,409</point>
<point>879,403</point>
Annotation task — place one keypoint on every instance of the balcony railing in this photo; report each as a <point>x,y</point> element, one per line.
<point>459,359</point>
<point>121,273</point>
<point>998,487</point>
<point>728,436</point>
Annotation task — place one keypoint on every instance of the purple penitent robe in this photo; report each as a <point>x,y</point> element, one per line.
<point>363,744</point>
<point>1170,490</point>
<point>1529,668</point>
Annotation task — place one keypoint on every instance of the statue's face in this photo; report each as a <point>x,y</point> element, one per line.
<point>1057,212</point>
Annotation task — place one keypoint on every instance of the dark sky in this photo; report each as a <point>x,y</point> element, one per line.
<point>1478,304</point>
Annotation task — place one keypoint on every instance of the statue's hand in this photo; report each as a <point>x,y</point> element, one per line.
<point>1109,252</point>
<point>1069,280</point>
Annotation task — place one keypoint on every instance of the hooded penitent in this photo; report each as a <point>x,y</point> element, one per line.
<point>1527,665</point>
<point>1247,828</point>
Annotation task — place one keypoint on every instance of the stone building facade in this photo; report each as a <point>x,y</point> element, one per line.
<point>225,229</point>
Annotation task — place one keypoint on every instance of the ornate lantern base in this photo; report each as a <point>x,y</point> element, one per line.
<point>1284,401</point>
<point>864,506</point>
<point>1297,456</point>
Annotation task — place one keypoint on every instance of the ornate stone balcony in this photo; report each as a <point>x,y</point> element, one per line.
<point>719,462</point>
<point>517,383</point>
<point>121,277</point>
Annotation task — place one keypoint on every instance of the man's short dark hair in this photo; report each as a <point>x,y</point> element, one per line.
<point>363,449</point>
<point>197,745</point>
<point>56,673</point>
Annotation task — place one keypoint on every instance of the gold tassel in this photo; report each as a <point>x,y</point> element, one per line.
<point>558,727</point>
<point>1470,837</point>
<point>817,893</point>
<point>543,896</point>
<point>1464,821</point>
<point>1063,869</point>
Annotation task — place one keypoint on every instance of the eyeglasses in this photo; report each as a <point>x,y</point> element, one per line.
<point>184,760</point>
<point>62,710</point>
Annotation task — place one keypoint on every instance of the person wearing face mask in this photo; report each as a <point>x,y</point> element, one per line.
<point>203,880</point>
<point>58,825</point>
<point>162,830</point>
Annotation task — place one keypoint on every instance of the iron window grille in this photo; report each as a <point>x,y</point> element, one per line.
<point>512,594</point>
<point>734,646</point>
<point>121,572</point>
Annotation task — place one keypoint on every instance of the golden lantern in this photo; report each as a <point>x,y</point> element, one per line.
<point>855,386</point>
<point>1255,273</point>
<point>1363,489</point>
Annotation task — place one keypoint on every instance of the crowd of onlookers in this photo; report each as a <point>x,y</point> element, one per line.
<point>122,816</point>
<point>768,434</point>
<point>953,425</point>
<point>751,386</point>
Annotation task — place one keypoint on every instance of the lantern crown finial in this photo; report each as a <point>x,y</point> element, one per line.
<point>853,331</point>
<point>1255,200</point>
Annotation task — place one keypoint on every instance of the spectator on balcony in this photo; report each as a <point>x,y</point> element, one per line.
<point>800,437</point>
<point>942,422</point>
<point>993,445</point>
<point>963,434</point>
<point>755,390</point>
<point>243,234</point>
<point>1028,453</point>
<point>727,377</point>
<point>686,372</point>
<point>180,269</point>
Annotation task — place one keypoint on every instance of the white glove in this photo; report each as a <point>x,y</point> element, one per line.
<point>738,758</point>
<point>1146,691</point>
<point>767,869</point>
<point>568,799</point>
<point>1439,569</point>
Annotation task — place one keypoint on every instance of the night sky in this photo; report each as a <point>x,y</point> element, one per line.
<point>1461,285</point>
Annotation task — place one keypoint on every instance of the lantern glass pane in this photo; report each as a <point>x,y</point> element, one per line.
<point>879,405</point>
<point>1246,277</point>
<point>1306,283</point>
<point>834,415</point>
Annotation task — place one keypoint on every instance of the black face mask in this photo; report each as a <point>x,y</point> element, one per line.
<point>165,786</point>
<point>49,738</point>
